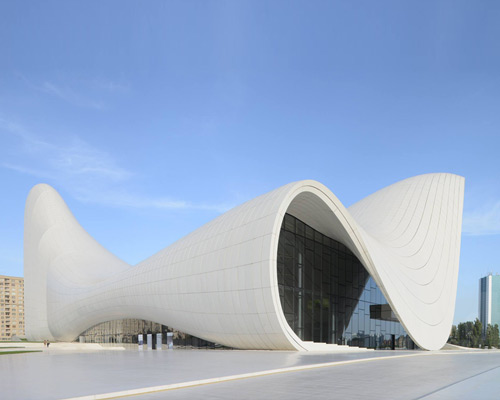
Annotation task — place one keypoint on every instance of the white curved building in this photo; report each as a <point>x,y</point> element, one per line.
<point>281,271</point>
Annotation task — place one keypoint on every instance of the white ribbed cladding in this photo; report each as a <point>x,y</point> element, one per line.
<point>412,232</point>
<point>60,260</point>
<point>219,283</point>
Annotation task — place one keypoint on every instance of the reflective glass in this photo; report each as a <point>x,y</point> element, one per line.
<point>328,296</point>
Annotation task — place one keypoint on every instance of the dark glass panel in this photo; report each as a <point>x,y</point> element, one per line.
<point>281,248</point>
<point>309,270</point>
<point>327,242</point>
<point>300,228</point>
<point>280,270</point>
<point>349,275</point>
<point>299,262</point>
<point>299,312</point>
<point>342,291</point>
<point>325,285</point>
<point>288,272</point>
<point>288,307</point>
<point>325,320</point>
<point>289,243</point>
<point>308,316</point>
<point>317,319</point>
<point>317,279</point>
<point>289,258</point>
<point>327,259</point>
<point>289,223</point>
<point>309,232</point>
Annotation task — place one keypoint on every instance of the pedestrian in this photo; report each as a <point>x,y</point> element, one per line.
<point>44,343</point>
<point>48,343</point>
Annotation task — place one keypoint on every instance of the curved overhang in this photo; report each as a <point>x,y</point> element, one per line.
<point>315,205</point>
<point>220,282</point>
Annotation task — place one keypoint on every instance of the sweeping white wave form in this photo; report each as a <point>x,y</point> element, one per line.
<point>220,282</point>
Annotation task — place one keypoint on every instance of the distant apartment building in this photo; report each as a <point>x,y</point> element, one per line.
<point>489,300</point>
<point>11,307</point>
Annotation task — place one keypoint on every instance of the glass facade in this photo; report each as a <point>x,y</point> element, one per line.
<point>120,331</point>
<point>489,300</point>
<point>328,296</point>
<point>127,331</point>
<point>484,302</point>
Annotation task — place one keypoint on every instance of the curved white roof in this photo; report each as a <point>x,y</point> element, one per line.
<point>220,282</point>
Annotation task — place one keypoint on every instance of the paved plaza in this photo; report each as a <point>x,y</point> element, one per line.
<point>62,373</point>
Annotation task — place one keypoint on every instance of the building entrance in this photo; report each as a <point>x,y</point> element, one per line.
<point>328,296</point>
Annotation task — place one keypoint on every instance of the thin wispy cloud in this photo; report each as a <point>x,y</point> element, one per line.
<point>58,161</point>
<point>482,221</point>
<point>68,93</point>
<point>118,199</point>
<point>89,174</point>
<point>28,171</point>
<point>109,85</point>
<point>70,96</point>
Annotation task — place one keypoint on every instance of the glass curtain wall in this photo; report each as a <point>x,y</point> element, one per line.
<point>120,331</point>
<point>483,302</point>
<point>328,296</point>
<point>127,331</point>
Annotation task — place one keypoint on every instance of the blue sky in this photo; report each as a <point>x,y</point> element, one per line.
<point>152,118</point>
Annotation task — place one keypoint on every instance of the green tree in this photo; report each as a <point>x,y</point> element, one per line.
<point>477,333</point>
<point>461,334</point>
<point>491,339</point>
<point>488,336</point>
<point>495,337</point>
<point>465,333</point>
<point>453,339</point>
<point>469,333</point>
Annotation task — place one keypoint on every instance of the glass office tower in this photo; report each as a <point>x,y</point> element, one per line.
<point>328,296</point>
<point>489,300</point>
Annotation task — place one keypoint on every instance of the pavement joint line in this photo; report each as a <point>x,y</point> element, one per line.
<point>455,383</point>
<point>208,381</point>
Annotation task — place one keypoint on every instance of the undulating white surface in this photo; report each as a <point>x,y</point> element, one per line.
<point>219,283</point>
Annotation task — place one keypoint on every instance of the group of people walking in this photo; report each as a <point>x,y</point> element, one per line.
<point>46,343</point>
